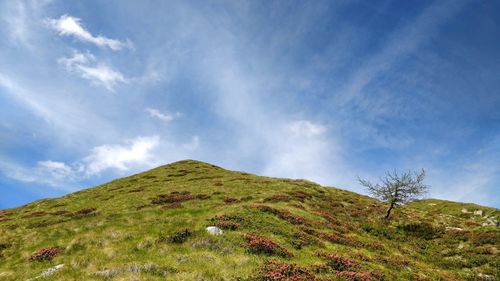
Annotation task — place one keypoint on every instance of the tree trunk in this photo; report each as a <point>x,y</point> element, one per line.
<point>389,211</point>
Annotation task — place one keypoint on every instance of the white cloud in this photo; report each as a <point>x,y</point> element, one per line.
<point>58,170</point>
<point>85,65</point>
<point>136,152</point>
<point>71,26</point>
<point>54,174</point>
<point>305,128</point>
<point>160,115</point>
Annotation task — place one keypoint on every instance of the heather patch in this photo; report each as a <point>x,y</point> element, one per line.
<point>261,245</point>
<point>46,254</point>
<point>284,215</point>
<point>282,271</point>
<point>227,222</point>
<point>177,237</point>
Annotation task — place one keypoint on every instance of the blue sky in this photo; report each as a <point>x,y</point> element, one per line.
<point>323,90</point>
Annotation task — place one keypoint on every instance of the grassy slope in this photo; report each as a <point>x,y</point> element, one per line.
<point>124,238</point>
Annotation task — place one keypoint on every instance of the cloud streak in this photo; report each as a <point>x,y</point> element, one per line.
<point>71,26</point>
<point>155,113</point>
<point>87,67</point>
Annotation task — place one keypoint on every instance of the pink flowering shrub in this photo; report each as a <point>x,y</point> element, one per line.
<point>279,271</point>
<point>354,276</point>
<point>284,215</point>
<point>338,263</point>
<point>227,222</point>
<point>46,254</point>
<point>260,245</point>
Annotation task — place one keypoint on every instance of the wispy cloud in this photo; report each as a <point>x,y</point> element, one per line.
<point>71,26</point>
<point>155,113</point>
<point>120,156</point>
<point>306,128</point>
<point>98,73</point>
<point>400,43</point>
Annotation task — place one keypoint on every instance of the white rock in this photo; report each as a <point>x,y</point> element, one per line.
<point>464,211</point>
<point>214,230</point>
<point>478,212</point>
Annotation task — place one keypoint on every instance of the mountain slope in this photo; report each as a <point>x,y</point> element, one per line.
<point>152,226</point>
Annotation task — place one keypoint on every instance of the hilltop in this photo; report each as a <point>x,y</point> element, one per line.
<point>152,226</point>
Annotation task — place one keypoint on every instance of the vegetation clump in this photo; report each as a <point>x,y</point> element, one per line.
<point>422,230</point>
<point>283,271</point>
<point>230,200</point>
<point>178,237</point>
<point>260,245</point>
<point>338,263</point>
<point>173,205</point>
<point>84,213</point>
<point>176,196</point>
<point>227,222</point>
<point>278,198</point>
<point>46,254</point>
<point>284,215</point>
<point>354,276</point>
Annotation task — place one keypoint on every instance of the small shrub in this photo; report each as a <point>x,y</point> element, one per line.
<point>86,212</point>
<point>354,276</point>
<point>178,237</point>
<point>260,245</point>
<point>173,205</point>
<point>229,200</point>
<point>60,213</point>
<point>421,230</point>
<point>36,214</point>
<point>280,271</point>
<point>278,198</point>
<point>136,190</point>
<point>227,222</point>
<point>337,262</point>
<point>300,195</point>
<point>376,231</point>
<point>46,254</point>
<point>178,197</point>
<point>284,215</point>
<point>486,237</point>
<point>301,239</point>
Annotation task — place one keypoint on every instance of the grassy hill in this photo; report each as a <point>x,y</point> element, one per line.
<point>152,226</point>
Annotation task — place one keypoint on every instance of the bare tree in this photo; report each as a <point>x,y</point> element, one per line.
<point>397,189</point>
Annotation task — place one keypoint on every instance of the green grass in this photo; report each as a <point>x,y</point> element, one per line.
<point>127,236</point>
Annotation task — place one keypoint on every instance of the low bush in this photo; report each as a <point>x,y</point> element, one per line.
<point>486,237</point>
<point>36,214</point>
<point>280,271</point>
<point>301,239</point>
<point>260,245</point>
<point>278,198</point>
<point>284,215</point>
<point>421,230</point>
<point>227,222</point>
<point>180,237</point>
<point>229,200</point>
<point>173,205</point>
<point>376,231</point>
<point>338,263</point>
<point>301,195</point>
<point>178,197</point>
<point>86,212</point>
<point>354,276</point>
<point>46,254</point>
